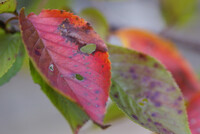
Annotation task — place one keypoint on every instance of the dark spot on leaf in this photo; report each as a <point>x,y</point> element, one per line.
<point>81,35</point>
<point>61,11</point>
<point>116,95</point>
<point>149,120</point>
<point>9,58</point>
<point>135,117</point>
<point>156,65</point>
<point>142,56</point>
<point>37,52</point>
<point>157,124</point>
<point>97,91</point>
<point>157,104</point>
<point>96,105</point>
<point>79,77</point>
<point>180,111</point>
<point>153,114</point>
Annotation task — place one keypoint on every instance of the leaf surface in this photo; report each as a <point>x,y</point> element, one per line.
<point>71,111</point>
<point>15,67</point>
<point>179,11</point>
<point>7,6</point>
<point>194,114</point>
<point>53,40</point>
<point>146,92</point>
<point>166,53</point>
<point>9,48</point>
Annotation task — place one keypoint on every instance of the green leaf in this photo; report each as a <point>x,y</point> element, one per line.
<point>7,6</point>
<point>146,92</point>
<point>37,5</point>
<point>9,48</point>
<point>88,49</point>
<point>177,12</point>
<point>113,113</point>
<point>15,67</point>
<point>97,19</point>
<point>71,111</point>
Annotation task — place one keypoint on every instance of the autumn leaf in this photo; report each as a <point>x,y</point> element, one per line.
<point>194,114</point>
<point>54,39</point>
<point>145,91</point>
<point>71,111</point>
<point>164,51</point>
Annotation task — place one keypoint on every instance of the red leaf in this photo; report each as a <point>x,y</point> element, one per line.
<point>53,40</point>
<point>164,51</point>
<point>194,114</point>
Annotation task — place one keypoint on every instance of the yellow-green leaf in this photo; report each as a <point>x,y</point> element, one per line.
<point>7,6</point>
<point>177,12</point>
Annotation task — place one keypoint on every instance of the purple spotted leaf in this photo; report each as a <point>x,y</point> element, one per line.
<point>145,91</point>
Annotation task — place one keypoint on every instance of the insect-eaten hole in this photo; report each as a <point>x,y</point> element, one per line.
<point>88,49</point>
<point>79,77</point>
<point>51,67</point>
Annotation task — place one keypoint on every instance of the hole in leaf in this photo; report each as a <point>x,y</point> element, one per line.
<point>88,49</point>
<point>51,67</point>
<point>79,77</point>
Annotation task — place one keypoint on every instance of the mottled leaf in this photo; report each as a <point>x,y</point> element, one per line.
<point>9,48</point>
<point>194,114</point>
<point>53,40</point>
<point>15,67</point>
<point>146,92</point>
<point>164,51</point>
<point>71,111</point>
<point>178,11</point>
<point>97,20</point>
<point>7,6</point>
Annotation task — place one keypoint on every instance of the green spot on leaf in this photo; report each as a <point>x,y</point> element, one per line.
<point>88,49</point>
<point>51,67</point>
<point>79,77</point>
<point>70,110</point>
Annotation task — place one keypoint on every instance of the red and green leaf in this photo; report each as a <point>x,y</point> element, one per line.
<point>54,40</point>
<point>75,116</point>
<point>164,51</point>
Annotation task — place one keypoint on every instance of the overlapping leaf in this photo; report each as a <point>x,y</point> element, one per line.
<point>164,51</point>
<point>9,48</point>
<point>179,11</point>
<point>194,114</point>
<point>98,21</point>
<point>72,113</point>
<point>146,92</point>
<point>7,6</point>
<point>53,40</point>
<point>15,67</point>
